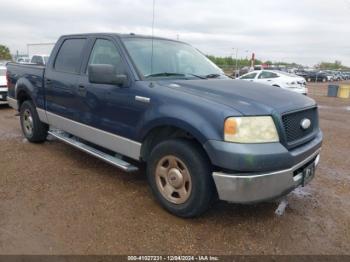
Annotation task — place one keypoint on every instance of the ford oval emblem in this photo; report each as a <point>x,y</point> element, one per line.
<point>305,123</point>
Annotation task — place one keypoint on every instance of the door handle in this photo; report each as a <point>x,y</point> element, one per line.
<point>48,83</point>
<point>81,86</point>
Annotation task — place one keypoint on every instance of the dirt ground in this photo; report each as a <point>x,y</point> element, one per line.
<point>55,199</point>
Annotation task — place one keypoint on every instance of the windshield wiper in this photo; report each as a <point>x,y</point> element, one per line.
<point>212,76</point>
<point>164,74</point>
<point>183,75</point>
<point>198,76</point>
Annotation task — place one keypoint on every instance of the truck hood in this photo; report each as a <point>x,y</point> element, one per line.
<point>246,97</point>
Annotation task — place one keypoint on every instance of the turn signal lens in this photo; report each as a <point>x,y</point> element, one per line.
<point>230,126</point>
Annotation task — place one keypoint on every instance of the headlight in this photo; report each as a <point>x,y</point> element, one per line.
<point>257,129</point>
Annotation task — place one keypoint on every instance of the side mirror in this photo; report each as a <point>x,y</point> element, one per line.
<point>106,74</point>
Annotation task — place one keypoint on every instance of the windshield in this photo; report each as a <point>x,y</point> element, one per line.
<point>170,58</point>
<point>2,72</point>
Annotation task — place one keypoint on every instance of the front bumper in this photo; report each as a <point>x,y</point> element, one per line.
<point>298,89</point>
<point>258,158</point>
<point>257,187</point>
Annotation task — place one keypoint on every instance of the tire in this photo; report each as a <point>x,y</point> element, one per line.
<point>33,129</point>
<point>180,165</point>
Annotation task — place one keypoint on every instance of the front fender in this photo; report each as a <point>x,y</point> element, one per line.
<point>203,127</point>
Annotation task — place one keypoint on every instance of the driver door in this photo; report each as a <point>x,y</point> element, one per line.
<point>108,107</point>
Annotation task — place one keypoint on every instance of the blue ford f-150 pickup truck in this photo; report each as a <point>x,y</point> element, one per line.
<point>202,135</point>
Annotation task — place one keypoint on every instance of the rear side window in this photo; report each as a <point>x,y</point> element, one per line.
<point>266,75</point>
<point>69,57</point>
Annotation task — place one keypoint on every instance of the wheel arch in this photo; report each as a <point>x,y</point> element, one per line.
<point>161,132</point>
<point>23,92</point>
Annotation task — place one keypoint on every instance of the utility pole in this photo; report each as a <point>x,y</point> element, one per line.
<point>236,67</point>
<point>237,62</point>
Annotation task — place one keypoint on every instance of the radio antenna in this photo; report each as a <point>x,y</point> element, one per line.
<point>153,11</point>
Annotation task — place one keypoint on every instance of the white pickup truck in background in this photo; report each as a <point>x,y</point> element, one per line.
<point>3,84</point>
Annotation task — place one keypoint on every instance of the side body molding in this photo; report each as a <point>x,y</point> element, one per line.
<point>118,144</point>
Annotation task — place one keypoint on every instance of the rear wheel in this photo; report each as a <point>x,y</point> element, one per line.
<point>33,129</point>
<point>179,174</point>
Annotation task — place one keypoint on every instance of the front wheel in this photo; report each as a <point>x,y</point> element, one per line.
<point>33,129</point>
<point>179,174</point>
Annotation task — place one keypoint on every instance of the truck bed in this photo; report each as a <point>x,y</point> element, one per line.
<point>19,73</point>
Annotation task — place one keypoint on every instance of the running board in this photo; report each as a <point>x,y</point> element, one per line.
<point>73,141</point>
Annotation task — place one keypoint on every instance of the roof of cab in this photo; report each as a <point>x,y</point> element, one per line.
<point>130,35</point>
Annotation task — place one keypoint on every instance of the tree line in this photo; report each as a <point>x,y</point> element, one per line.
<point>231,62</point>
<point>5,53</point>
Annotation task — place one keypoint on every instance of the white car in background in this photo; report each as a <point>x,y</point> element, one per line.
<point>3,84</point>
<point>277,78</point>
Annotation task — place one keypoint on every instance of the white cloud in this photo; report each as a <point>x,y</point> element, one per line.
<point>306,31</point>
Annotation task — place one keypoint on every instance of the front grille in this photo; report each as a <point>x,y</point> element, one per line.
<point>292,124</point>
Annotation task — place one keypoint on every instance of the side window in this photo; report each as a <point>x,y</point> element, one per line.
<point>249,76</point>
<point>69,56</point>
<point>264,75</point>
<point>267,75</point>
<point>273,75</point>
<point>105,52</point>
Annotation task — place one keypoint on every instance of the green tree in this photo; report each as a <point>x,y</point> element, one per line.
<point>331,66</point>
<point>5,53</point>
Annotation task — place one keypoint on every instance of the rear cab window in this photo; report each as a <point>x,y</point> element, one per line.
<point>69,56</point>
<point>37,60</point>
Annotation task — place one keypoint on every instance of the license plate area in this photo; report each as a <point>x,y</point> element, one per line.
<point>308,174</point>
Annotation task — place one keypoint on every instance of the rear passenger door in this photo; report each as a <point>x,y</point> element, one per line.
<point>266,77</point>
<point>61,80</point>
